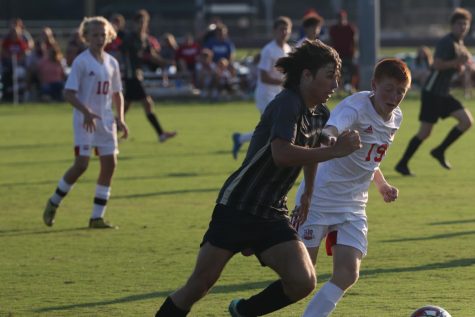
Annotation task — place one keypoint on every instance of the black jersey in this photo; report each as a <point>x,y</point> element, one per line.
<point>448,48</point>
<point>259,186</point>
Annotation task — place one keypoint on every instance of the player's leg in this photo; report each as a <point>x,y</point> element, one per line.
<point>163,135</point>
<point>108,163</point>
<point>464,122</point>
<point>65,184</point>
<point>346,265</point>
<point>209,265</point>
<point>424,132</point>
<point>290,260</point>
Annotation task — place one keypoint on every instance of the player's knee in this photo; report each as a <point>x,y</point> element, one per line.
<point>345,278</point>
<point>81,166</point>
<point>301,286</point>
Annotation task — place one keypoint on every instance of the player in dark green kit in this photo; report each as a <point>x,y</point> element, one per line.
<point>450,56</point>
<point>251,212</point>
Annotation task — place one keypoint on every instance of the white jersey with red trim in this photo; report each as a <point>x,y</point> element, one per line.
<point>341,184</point>
<point>94,83</point>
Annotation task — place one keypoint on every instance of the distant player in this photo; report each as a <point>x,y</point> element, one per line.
<point>336,200</point>
<point>451,56</point>
<point>141,50</point>
<point>92,87</point>
<point>251,211</point>
<point>269,82</point>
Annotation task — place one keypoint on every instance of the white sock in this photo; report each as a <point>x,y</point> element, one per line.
<point>245,137</point>
<point>100,201</point>
<point>324,301</point>
<point>61,191</point>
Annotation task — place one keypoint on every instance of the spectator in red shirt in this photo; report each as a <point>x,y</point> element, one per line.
<point>187,55</point>
<point>343,40</point>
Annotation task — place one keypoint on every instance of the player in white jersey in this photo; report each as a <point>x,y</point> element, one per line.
<point>333,206</point>
<point>270,79</point>
<point>93,85</point>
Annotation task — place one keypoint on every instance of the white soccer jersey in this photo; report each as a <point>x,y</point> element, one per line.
<point>94,83</point>
<point>341,184</point>
<point>269,56</point>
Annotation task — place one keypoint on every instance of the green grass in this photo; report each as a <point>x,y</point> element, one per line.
<point>421,248</point>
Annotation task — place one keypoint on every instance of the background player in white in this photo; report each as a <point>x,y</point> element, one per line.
<point>335,202</point>
<point>92,86</point>
<point>269,81</point>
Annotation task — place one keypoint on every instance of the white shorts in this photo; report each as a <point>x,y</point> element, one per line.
<point>86,149</point>
<point>352,233</point>
<point>104,139</point>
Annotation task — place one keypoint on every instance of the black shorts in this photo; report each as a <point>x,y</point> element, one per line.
<point>434,107</point>
<point>134,90</point>
<point>236,230</point>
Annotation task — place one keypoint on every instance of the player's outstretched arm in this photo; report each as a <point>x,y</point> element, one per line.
<point>387,191</point>
<point>285,153</point>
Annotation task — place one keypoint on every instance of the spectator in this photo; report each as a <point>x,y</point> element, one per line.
<point>117,21</point>
<point>74,47</point>
<point>221,45</point>
<point>420,69</point>
<point>15,46</point>
<point>51,75</point>
<point>225,80</point>
<point>187,55</point>
<point>312,26</point>
<point>205,73</point>
<point>343,40</point>
<point>168,50</point>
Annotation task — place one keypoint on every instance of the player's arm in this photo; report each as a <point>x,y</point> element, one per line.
<point>285,153</point>
<point>118,101</point>
<point>89,116</point>
<point>301,212</point>
<point>268,79</point>
<point>388,192</point>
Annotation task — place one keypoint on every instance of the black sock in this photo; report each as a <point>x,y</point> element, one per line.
<point>410,150</point>
<point>154,122</point>
<point>169,309</point>
<point>269,300</point>
<point>451,137</point>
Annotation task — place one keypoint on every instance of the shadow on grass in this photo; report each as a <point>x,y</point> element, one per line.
<point>436,236</point>
<point>171,192</point>
<point>231,288</point>
<point>453,222</point>
<point>20,232</point>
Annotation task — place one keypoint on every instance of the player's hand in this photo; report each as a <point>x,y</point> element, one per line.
<point>122,126</point>
<point>389,193</point>
<point>327,139</point>
<point>300,213</point>
<point>347,142</point>
<point>89,121</point>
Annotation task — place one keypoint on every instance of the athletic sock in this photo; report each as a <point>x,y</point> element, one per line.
<point>245,137</point>
<point>451,137</point>
<point>410,150</point>
<point>61,191</point>
<point>100,201</point>
<point>269,300</point>
<point>169,309</point>
<point>152,118</point>
<point>324,301</point>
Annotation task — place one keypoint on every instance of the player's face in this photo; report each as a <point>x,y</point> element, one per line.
<point>282,33</point>
<point>319,88</point>
<point>460,28</point>
<point>388,94</point>
<point>96,37</point>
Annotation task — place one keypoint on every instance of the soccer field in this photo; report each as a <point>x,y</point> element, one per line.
<point>421,248</point>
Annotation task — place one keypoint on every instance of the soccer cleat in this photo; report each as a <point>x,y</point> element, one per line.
<point>403,169</point>
<point>100,223</point>
<point>439,156</point>
<point>166,135</point>
<point>233,308</point>
<point>49,213</point>
<point>236,144</point>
